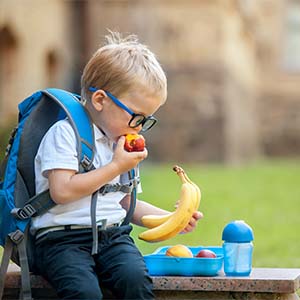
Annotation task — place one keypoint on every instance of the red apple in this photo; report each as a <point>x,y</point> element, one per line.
<point>134,142</point>
<point>206,253</point>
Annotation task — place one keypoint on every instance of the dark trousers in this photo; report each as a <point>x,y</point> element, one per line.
<point>64,259</point>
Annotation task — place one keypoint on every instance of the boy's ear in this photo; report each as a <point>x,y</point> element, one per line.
<point>97,99</point>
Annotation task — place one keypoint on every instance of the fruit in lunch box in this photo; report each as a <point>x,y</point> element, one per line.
<point>134,142</point>
<point>206,253</point>
<point>163,227</point>
<point>179,251</point>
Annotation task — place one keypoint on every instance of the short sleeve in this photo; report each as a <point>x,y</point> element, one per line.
<point>58,149</point>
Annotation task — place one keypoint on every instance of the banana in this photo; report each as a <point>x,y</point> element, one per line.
<point>151,221</point>
<point>181,172</point>
<point>167,226</point>
<point>177,222</point>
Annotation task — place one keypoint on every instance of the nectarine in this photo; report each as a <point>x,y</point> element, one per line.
<point>179,251</point>
<point>134,142</point>
<point>206,253</point>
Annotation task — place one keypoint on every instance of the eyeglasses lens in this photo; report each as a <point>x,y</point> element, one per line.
<point>149,123</point>
<point>137,120</point>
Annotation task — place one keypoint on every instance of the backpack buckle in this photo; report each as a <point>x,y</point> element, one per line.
<point>16,236</point>
<point>86,163</point>
<point>125,188</point>
<point>134,182</point>
<point>23,213</point>
<point>105,189</point>
<point>117,187</point>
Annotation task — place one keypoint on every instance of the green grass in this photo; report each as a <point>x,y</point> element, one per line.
<point>265,194</point>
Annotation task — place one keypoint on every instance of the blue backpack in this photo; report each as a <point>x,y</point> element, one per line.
<point>18,200</point>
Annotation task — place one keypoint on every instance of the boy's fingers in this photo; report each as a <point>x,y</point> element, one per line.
<point>121,143</point>
<point>121,140</point>
<point>144,153</point>
<point>198,215</point>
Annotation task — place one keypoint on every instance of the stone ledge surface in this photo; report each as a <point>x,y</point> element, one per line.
<point>261,280</point>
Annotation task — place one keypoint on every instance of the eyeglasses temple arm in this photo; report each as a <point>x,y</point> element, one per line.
<point>114,99</point>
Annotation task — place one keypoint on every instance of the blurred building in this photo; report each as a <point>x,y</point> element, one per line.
<point>233,67</point>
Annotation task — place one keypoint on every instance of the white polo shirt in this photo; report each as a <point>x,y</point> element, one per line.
<point>58,151</point>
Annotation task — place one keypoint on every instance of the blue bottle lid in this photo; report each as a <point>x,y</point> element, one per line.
<point>237,232</point>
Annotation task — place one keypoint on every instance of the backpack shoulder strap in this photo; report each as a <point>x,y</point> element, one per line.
<point>81,123</point>
<point>135,180</point>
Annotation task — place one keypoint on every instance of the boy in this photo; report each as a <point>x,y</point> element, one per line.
<point>122,71</point>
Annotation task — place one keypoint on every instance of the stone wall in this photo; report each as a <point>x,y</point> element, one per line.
<point>277,29</point>
<point>280,121</point>
<point>35,50</point>
<point>191,122</point>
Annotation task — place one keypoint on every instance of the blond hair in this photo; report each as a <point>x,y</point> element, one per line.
<point>122,65</point>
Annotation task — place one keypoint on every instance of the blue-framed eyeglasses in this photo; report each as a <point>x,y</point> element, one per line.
<point>136,119</point>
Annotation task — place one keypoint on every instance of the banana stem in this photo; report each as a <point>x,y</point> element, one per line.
<point>180,172</point>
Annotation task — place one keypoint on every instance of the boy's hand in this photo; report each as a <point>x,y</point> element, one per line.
<point>197,215</point>
<point>125,160</point>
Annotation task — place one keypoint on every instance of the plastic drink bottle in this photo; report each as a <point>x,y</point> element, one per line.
<point>237,248</point>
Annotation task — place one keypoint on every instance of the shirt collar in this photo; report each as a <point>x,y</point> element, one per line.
<point>101,137</point>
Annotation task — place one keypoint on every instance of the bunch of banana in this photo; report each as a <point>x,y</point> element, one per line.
<point>163,227</point>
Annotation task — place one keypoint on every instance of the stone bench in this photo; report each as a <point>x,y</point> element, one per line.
<point>262,284</point>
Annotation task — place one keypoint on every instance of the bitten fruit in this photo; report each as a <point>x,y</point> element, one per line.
<point>206,253</point>
<point>179,251</point>
<point>134,142</point>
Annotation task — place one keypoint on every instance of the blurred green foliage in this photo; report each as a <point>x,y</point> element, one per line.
<point>265,194</point>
